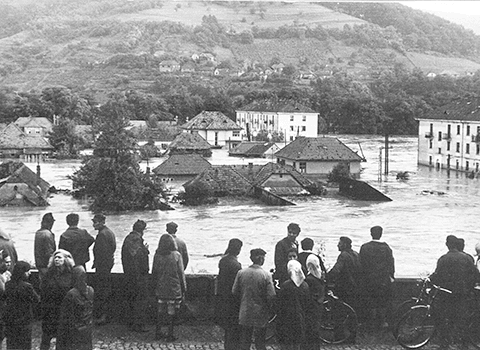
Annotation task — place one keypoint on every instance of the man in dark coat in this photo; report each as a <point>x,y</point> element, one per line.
<point>181,245</point>
<point>135,268</point>
<point>76,241</point>
<point>7,245</point>
<point>281,251</point>
<point>228,306</point>
<point>378,268</point>
<point>44,244</point>
<point>456,272</point>
<point>103,251</point>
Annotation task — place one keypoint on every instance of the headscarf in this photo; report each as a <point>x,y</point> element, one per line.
<point>313,266</point>
<point>295,272</point>
<point>79,279</point>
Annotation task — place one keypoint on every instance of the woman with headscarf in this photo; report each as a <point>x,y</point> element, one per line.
<point>19,300</point>
<point>228,307</point>
<point>316,284</point>
<point>293,299</point>
<point>53,288</point>
<point>76,314</point>
<point>170,284</point>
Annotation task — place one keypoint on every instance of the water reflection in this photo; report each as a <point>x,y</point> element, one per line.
<point>416,222</point>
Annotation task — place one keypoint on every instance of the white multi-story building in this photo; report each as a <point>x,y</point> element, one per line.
<point>284,117</point>
<point>449,137</point>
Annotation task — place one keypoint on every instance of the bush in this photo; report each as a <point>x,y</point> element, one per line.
<point>339,171</point>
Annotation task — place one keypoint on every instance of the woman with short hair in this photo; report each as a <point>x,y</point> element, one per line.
<point>170,284</point>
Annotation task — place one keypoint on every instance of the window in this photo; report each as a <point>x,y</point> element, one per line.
<point>458,146</point>
<point>431,128</point>
<point>304,118</point>
<point>476,167</point>
<point>291,118</point>
<point>294,165</point>
<point>467,149</point>
<point>457,165</point>
<point>291,127</point>
<point>458,129</point>
<point>449,130</point>
<point>236,134</point>
<point>478,148</point>
<point>304,128</point>
<point>439,150</point>
<point>430,144</point>
<point>303,167</point>
<point>216,138</point>
<point>448,145</point>
<point>430,160</point>
<point>467,166</point>
<point>468,130</point>
<point>439,136</point>
<point>291,138</point>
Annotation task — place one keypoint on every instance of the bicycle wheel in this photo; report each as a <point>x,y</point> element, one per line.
<point>473,331</point>
<point>415,328</point>
<point>401,310</point>
<point>338,322</point>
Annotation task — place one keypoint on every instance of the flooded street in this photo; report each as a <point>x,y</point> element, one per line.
<point>415,223</point>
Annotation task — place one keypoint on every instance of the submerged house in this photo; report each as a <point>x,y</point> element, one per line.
<point>20,186</point>
<point>35,126</point>
<point>254,149</point>
<point>187,143</point>
<point>315,157</point>
<point>14,143</point>
<point>181,167</point>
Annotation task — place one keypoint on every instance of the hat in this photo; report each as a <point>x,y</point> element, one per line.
<point>99,218</point>
<point>477,249</point>
<point>257,251</point>
<point>48,217</point>
<point>171,225</point>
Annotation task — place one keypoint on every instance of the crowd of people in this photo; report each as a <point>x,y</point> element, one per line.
<point>246,297</point>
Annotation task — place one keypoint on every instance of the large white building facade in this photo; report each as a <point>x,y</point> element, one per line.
<point>290,119</point>
<point>449,138</point>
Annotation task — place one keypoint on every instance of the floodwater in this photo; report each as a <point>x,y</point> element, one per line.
<point>425,209</point>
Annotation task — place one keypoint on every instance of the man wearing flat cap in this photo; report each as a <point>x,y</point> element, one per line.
<point>103,251</point>
<point>181,245</point>
<point>254,288</point>
<point>44,245</point>
<point>281,251</point>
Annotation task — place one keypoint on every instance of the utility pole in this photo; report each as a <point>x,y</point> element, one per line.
<point>386,154</point>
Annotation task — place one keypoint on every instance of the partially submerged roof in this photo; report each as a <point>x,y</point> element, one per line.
<point>275,168</point>
<point>187,141</point>
<point>182,164</point>
<point>251,148</point>
<point>11,137</point>
<point>317,149</point>
<point>462,109</point>
<point>288,106</point>
<point>211,120</point>
<point>34,121</point>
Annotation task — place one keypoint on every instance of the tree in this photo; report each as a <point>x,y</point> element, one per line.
<point>65,140</point>
<point>112,176</point>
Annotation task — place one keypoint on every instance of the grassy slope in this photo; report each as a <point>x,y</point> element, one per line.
<point>61,63</point>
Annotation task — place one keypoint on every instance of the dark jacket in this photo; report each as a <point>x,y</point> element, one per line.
<point>6,244</point>
<point>104,249</point>
<point>77,241</point>
<point>346,273</point>
<point>44,247</point>
<point>19,300</point>
<point>227,306</point>
<point>455,271</point>
<point>377,263</point>
<point>281,258</point>
<point>134,256</point>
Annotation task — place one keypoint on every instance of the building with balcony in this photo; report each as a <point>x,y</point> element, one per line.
<point>283,117</point>
<point>449,137</point>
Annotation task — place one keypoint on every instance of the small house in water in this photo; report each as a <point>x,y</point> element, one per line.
<point>14,143</point>
<point>315,157</point>
<point>187,143</point>
<point>254,149</point>
<point>20,186</point>
<point>181,167</point>
<point>215,127</point>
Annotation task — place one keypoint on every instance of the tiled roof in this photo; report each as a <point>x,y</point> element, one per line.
<point>251,149</point>
<point>187,141</point>
<point>317,148</point>
<point>466,109</point>
<point>274,168</point>
<point>288,106</point>
<point>34,121</point>
<point>211,120</point>
<point>8,193</point>
<point>13,138</point>
<point>14,172</point>
<point>182,164</point>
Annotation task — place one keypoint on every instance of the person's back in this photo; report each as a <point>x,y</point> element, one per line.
<point>180,243</point>
<point>377,262</point>
<point>168,275</point>
<point>76,241</point>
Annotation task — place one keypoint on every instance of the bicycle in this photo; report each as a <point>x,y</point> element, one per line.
<point>418,325</point>
<point>338,322</point>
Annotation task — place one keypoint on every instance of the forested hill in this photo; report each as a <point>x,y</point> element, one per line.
<point>363,66</point>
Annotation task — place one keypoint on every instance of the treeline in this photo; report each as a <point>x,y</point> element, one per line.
<point>419,30</point>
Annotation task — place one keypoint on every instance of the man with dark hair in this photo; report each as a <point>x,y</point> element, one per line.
<point>281,252</point>
<point>103,251</point>
<point>44,245</point>
<point>377,268</point>
<point>181,245</point>
<point>345,274</point>
<point>307,249</point>
<point>456,272</point>
<point>254,287</point>
<point>76,241</point>
<point>135,268</point>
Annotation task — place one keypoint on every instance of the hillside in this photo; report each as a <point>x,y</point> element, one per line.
<point>80,44</point>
